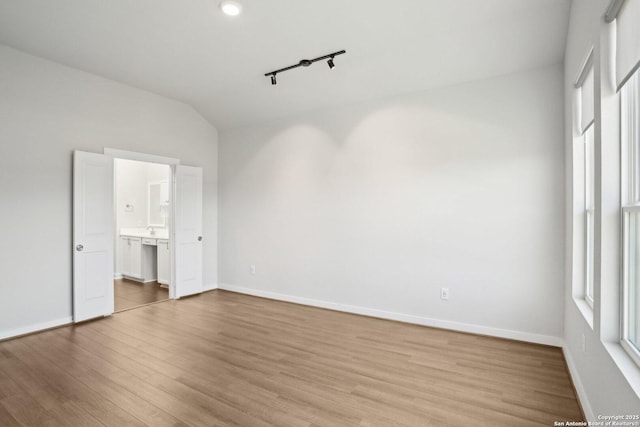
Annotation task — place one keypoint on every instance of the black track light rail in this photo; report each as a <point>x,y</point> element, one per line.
<point>305,63</point>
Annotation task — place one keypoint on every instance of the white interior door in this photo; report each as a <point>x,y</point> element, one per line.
<point>93,244</point>
<point>188,231</point>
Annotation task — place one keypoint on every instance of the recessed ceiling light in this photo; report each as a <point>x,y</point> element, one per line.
<point>231,8</point>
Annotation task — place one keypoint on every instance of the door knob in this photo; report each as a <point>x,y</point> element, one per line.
<point>79,248</point>
<point>199,238</point>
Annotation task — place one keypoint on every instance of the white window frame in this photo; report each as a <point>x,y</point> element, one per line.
<point>584,119</point>
<point>626,343</point>
<point>630,186</point>
<point>589,212</point>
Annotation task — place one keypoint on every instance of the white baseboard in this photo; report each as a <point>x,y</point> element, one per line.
<point>577,383</point>
<point>35,328</point>
<point>118,276</point>
<point>209,287</point>
<point>406,318</point>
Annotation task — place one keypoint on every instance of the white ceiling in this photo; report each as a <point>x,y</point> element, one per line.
<point>190,51</point>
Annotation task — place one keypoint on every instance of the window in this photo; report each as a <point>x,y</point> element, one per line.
<point>585,129</point>
<point>630,139</point>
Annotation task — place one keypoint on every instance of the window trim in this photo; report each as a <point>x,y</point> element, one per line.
<point>626,343</point>
<point>630,198</point>
<point>589,215</point>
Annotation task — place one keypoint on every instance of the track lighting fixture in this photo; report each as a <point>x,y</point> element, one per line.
<point>306,63</point>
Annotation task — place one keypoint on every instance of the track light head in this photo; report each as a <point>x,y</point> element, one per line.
<point>273,79</point>
<point>331,64</point>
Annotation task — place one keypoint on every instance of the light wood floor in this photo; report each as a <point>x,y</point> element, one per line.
<point>129,293</point>
<point>228,359</point>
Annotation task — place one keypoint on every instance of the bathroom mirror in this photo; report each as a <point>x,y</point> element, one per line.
<point>157,204</point>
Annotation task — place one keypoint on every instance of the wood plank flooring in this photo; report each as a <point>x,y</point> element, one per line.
<point>129,294</point>
<point>225,359</point>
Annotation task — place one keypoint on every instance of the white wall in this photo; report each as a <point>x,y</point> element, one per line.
<point>131,189</point>
<point>377,206</point>
<point>47,111</point>
<point>603,374</point>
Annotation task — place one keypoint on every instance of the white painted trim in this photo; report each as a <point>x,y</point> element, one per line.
<point>587,63</point>
<point>406,318</point>
<point>141,157</point>
<point>133,279</point>
<point>582,394</point>
<point>625,363</point>
<point>35,328</point>
<point>209,287</point>
<point>117,276</point>
<point>587,312</point>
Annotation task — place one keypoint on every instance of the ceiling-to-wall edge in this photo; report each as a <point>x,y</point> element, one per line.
<point>111,80</point>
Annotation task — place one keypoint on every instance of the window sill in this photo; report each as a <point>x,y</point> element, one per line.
<point>586,310</point>
<point>625,364</point>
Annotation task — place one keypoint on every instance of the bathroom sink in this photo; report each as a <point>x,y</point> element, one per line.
<point>146,234</point>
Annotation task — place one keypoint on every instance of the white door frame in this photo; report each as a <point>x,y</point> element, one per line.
<point>151,158</point>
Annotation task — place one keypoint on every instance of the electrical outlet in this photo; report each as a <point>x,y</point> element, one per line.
<point>444,294</point>
<point>252,269</point>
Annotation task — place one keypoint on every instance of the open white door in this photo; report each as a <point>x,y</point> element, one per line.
<point>188,231</point>
<point>93,244</point>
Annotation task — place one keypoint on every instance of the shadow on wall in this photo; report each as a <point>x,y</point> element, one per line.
<point>380,205</point>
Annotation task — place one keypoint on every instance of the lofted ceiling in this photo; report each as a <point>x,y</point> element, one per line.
<point>188,50</point>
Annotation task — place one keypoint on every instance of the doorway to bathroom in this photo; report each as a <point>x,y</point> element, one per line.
<point>97,239</point>
<point>142,270</point>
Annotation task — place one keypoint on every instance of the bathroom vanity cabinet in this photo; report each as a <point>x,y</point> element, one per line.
<point>164,262</point>
<point>138,258</point>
